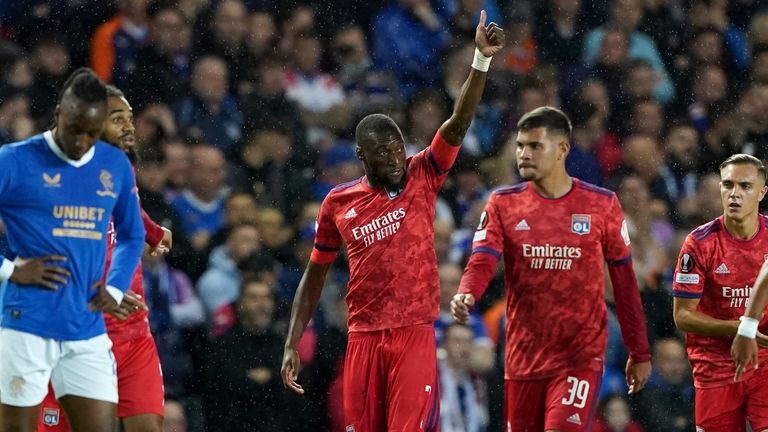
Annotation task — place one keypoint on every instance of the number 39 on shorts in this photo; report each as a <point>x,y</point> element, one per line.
<point>577,394</point>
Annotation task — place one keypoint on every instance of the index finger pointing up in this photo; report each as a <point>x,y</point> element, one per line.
<point>483,17</point>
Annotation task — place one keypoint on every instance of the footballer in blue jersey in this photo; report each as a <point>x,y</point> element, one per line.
<point>58,191</point>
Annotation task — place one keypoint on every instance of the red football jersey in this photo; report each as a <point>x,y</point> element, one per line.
<point>554,256</point>
<point>390,243</point>
<point>720,270</point>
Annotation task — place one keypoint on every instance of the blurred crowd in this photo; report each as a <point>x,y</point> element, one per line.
<point>245,113</point>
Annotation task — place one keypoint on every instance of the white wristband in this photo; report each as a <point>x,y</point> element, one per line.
<point>747,327</point>
<point>481,62</point>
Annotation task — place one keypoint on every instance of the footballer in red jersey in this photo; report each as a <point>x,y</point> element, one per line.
<point>386,221</point>
<point>712,285</point>
<point>555,233</point>
<point>140,381</point>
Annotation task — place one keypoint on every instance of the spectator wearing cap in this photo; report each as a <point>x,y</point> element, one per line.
<point>339,165</point>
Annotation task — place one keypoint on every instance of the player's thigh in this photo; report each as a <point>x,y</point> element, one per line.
<point>18,419</point>
<point>413,395</point>
<point>721,409</point>
<point>139,377</point>
<point>86,369</point>
<point>571,400</point>
<point>52,417</point>
<point>143,423</point>
<point>757,400</point>
<point>89,415</point>
<point>364,385</point>
<point>26,363</point>
<point>524,405</point>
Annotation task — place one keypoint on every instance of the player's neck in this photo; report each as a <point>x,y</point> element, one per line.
<point>553,186</point>
<point>744,229</point>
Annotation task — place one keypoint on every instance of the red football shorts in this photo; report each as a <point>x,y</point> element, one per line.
<point>390,381</point>
<point>728,407</point>
<point>139,385</point>
<point>565,402</point>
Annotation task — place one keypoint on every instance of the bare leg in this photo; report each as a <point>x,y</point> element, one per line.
<point>143,423</point>
<point>90,415</point>
<point>18,419</point>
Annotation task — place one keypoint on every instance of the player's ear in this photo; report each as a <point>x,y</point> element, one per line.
<point>359,153</point>
<point>763,190</point>
<point>565,148</point>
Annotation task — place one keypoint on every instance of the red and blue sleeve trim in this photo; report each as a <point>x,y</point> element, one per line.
<point>487,250</point>
<point>684,294</point>
<point>322,248</point>
<point>432,160</point>
<point>620,262</point>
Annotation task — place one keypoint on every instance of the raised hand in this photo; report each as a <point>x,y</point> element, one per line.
<point>489,40</point>
<point>37,271</point>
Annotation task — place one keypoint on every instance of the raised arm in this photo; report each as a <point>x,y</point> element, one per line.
<point>488,41</point>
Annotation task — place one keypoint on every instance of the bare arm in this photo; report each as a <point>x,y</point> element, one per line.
<point>304,305</point>
<point>744,348</point>
<point>688,319</point>
<point>488,40</point>
<point>759,296</point>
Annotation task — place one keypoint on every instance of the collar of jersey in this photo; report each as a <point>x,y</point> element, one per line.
<point>57,151</point>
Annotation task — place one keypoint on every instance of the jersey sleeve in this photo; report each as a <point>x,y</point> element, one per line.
<point>9,165</point>
<point>690,273</point>
<point>129,231</point>
<point>616,235</point>
<point>487,247</point>
<point>436,161</point>
<point>154,231</point>
<point>327,236</point>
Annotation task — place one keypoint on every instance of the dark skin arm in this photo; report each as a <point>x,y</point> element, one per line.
<point>304,305</point>
<point>36,271</point>
<point>489,40</point>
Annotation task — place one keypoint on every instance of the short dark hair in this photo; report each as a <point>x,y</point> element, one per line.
<point>375,125</point>
<point>745,159</point>
<point>550,118</point>
<point>113,91</point>
<point>86,86</point>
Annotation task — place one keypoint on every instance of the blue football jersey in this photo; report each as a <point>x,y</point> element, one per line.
<point>52,205</point>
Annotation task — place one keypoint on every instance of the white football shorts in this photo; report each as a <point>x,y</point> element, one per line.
<point>28,362</point>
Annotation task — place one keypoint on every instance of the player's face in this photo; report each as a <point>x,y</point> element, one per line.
<point>741,190</point>
<point>538,153</point>
<point>78,126</point>
<point>118,129</point>
<point>385,161</point>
